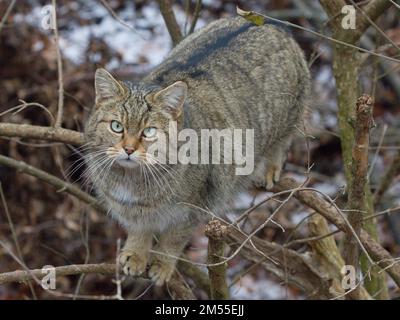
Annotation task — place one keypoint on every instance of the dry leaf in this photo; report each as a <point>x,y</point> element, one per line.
<point>251,16</point>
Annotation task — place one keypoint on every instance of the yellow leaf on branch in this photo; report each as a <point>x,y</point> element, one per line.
<point>251,16</point>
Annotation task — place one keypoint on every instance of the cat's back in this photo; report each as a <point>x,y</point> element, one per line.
<point>239,75</point>
<point>225,48</point>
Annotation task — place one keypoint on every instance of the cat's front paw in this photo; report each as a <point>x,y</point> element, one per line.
<point>132,264</point>
<point>161,271</point>
<point>273,175</point>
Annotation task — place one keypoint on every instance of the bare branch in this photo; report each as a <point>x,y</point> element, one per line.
<point>328,254</point>
<point>41,133</point>
<point>15,236</point>
<point>170,20</point>
<point>216,232</point>
<point>178,288</point>
<point>196,16</point>
<point>199,277</point>
<point>60,109</point>
<point>117,18</point>
<point>23,276</point>
<point>327,210</point>
<point>373,10</point>
<point>286,264</point>
<point>56,182</point>
<point>359,183</point>
<point>8,11</point>
<point>336,39</point>
<point>346,69</point>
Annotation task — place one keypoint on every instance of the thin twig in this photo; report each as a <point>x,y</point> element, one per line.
<point>8,11</point>
<point>117,18</point>
<point>372,23</point>
<point>60,109</point>
<point>56,182</point>
<point>14,236</point>
<point>24,105</point>
<point>395,4</point>
<point>387,211</point>
<point>344,43</point>
<point>196,15</point>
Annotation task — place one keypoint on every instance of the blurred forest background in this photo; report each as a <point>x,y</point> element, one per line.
<point>129,38</point>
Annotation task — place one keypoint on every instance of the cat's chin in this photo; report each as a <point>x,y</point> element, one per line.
<point>127,163</point>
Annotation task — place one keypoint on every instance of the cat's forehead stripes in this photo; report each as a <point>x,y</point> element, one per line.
<point>134,109</point>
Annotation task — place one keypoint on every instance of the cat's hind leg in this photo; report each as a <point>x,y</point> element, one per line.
<point>276,157</point>
<point>168,249</point>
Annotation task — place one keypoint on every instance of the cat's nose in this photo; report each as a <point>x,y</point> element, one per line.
<point>129,150</point>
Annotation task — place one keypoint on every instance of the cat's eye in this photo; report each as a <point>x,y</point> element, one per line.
<point>116,126</point>
<point>149,132</point>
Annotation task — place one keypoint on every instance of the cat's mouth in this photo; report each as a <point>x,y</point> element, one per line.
<point>128,163</point>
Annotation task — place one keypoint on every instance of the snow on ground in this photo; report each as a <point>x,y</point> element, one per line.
<point>250,287</point>
<point>147,39</point>
<point>245,199</point>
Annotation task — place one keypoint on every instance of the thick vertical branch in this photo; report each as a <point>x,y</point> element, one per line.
<point>346,64</point>
<point>327,253</point>
<point>356,202</point>
<point>170,20</point>
<point>216,233</point>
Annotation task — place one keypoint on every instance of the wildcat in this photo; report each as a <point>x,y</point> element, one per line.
<point>230,74</point>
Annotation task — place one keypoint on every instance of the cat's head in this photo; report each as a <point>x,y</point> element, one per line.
<point>128,119</point>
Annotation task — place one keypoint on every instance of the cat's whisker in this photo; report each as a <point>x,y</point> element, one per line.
<point>83,162</point>
<point>96,159</point>
<point>158,166</point>
<point>82,158</point>
<point>158,177</point>
<point>158,162</point>
<point>162,177</point>
<point>153,174</point>
<point>92,169</point>
<point>82,174</point>
<point>145,177</point>
<point>85,145</point>
<point>107,169</point>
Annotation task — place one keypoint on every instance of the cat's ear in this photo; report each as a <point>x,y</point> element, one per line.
<point>107,87</point>
<point>172,97</point>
